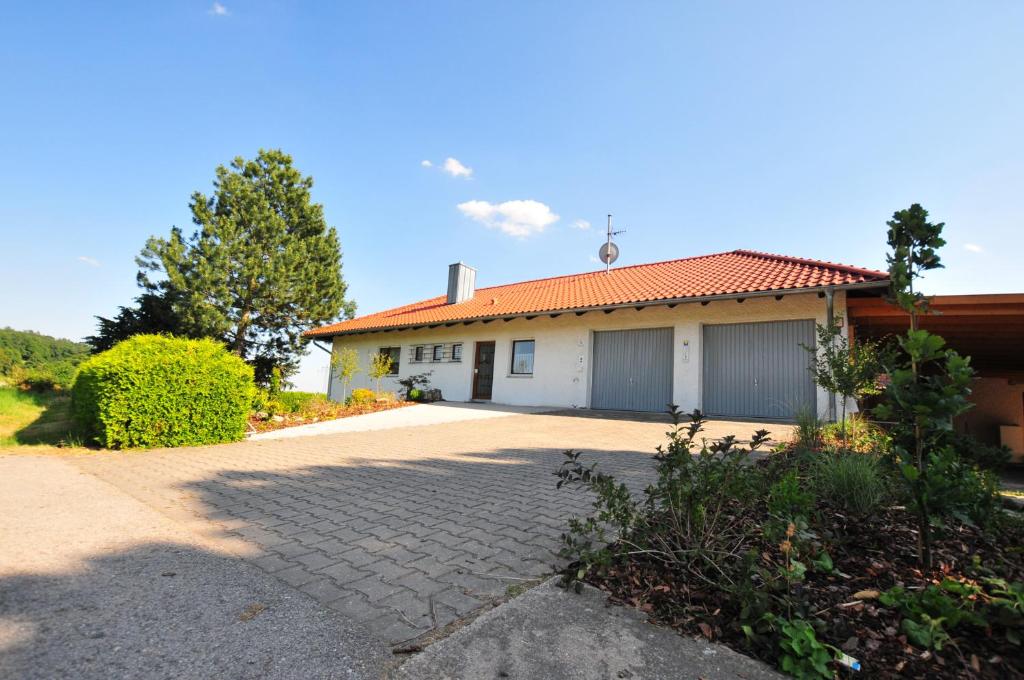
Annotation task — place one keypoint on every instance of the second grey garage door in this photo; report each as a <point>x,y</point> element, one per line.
<point>758,370</point>
<point>632,370</point>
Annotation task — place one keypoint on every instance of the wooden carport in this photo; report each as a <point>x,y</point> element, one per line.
<point>990,329</point>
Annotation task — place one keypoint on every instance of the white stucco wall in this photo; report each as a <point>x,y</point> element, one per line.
<point>562,370</point>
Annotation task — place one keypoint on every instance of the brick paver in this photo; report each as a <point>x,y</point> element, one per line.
<point>403,530</point>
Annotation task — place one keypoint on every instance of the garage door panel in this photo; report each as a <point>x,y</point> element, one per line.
<point>632,370</point>
<point>758,370</point>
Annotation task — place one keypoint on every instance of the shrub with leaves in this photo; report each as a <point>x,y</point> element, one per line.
<point>856,434</point>
<point>692,519</point>
<point>154,390</point>
<point>415,383</point>
<point>803,654</point>
<point>361,396</point>
<point>931,615</point>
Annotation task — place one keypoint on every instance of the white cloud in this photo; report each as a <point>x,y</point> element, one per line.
<point>581,224</point>
<point>91,261</point>
<point>515,218</point>
<point>456,169</point>
<point>426,164</point>
<point>219,10</point>
<point>973,247</point>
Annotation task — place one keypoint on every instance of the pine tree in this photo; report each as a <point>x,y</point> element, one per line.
<point>262,266</point>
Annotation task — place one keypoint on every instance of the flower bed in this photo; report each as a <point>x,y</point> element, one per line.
<point>302,408</point>
<point>749,551</point>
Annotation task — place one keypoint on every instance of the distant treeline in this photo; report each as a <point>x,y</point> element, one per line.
<point>35,360</point>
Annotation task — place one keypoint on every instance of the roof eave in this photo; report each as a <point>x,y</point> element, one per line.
<point>624,305</point>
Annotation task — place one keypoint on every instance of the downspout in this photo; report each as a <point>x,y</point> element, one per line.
<point>330,367</point>
<point>830,320</point>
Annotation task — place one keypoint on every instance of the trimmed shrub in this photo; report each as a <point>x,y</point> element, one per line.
<point>415,394</point>
<point>154,390</point>
<point>361,396</point>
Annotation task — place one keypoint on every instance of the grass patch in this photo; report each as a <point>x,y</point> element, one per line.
<point>36,418</point>
<point>517,589</point>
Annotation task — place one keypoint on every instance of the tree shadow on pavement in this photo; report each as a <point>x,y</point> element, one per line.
<point>164,610</point>
<point>408,545</point>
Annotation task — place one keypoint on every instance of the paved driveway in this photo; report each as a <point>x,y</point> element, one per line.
<point>96,585</point>
<point>403,530</point>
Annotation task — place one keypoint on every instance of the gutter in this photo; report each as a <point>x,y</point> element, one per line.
<point>666,302</point>
<point>320,347</point>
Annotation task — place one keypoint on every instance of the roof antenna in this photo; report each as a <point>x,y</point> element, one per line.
<point>609,252</point>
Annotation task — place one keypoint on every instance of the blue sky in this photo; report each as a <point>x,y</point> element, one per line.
<point>787,127</point>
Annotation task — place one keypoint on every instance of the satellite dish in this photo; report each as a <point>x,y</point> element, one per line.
<point>608,253</point>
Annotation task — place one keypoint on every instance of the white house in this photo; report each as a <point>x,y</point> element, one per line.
<point>723,333</point>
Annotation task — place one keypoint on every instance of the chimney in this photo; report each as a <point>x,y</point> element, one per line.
<point>461,283</point>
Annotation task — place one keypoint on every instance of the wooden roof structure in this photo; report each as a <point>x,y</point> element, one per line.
<point>989,327</point>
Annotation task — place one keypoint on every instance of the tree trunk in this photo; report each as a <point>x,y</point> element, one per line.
<point>924,536</point>
<point>243,326</point>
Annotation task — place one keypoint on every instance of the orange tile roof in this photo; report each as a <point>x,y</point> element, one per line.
<point>734,272</point>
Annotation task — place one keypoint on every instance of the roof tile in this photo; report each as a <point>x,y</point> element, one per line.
<point>737,271</point>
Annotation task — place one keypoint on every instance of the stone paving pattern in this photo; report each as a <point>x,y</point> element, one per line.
<point>403,530</point>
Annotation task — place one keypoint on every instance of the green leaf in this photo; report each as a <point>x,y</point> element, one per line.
<point>910,472</point>
<point>823,563</point>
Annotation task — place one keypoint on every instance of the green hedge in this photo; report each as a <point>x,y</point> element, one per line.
<point>154,390</point>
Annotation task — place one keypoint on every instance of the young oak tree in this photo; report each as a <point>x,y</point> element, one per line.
<point>261,267</point>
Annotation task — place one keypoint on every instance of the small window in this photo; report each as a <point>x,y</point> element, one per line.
<point>457,352</point>
<point>395,353</point>
<point>417,354</point>
<point>522,357</point>
<point>438,353</point>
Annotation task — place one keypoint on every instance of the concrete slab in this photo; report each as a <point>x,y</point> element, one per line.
<point>409,416</point>
<point>552,633</point>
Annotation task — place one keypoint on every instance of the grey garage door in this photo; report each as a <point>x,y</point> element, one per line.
<point>758,370</point>
<point>632,370</point>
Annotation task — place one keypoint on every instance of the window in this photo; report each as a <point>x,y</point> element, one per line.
<point>395,353</point>
<point>438,353</point>
<point>522,357</point>
<point>456,352</point>
<point>417,353</point>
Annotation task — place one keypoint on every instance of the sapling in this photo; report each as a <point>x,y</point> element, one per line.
<point>930,385</point>
<point>346,365</point>
<point>849,370</point>
<point>380,366</point>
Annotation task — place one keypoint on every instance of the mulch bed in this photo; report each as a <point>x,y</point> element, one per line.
<point>871,554</point>
<point>331,411</point>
